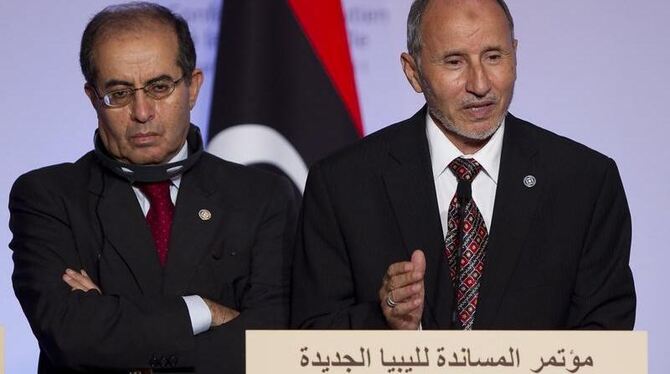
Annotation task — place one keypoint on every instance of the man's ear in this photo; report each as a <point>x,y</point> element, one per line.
<point>90,92</point>
<point>411,69</point>
<point>515,44</point>
<point>194,88</point>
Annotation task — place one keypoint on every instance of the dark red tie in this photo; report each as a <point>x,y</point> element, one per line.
<point>160,215</point>
<point>465,242</point>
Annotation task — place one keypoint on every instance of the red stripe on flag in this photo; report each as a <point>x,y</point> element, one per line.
<point>323,24</point>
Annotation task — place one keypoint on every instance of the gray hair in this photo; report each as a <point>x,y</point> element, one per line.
<point>415,16</point>
<point>133,16</point>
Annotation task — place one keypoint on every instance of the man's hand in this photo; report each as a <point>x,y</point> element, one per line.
<point>402,292</point>
<point>79,281</point>
<point>220,314</point>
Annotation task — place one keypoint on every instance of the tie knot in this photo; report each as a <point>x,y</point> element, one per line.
<point>157,191</point>
<point>465,169</point>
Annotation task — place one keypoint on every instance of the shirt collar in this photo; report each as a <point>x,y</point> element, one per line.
<point>443,151</point>
<point>181,155</point>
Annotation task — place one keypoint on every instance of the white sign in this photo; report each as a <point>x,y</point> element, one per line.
<point>453,352</point>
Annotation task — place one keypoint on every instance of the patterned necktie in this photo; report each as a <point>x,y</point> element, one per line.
<point>465,242</point>
<point>159,216</point>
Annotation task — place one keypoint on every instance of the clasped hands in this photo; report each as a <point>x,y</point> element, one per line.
<point>82,282</point>
<point>402,293</point>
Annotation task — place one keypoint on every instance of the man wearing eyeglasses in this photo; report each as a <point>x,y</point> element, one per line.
<point>148,253</point>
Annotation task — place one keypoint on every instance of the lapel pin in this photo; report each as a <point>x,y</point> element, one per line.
<point>205,214</point>
<point>529,181</point>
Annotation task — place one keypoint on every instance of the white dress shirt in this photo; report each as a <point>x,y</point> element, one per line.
<point>198,311</point>
<point>443,151</point>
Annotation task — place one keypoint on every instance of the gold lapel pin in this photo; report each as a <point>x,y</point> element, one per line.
<point>205,214</point>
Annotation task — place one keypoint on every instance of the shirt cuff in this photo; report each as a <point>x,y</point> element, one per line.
<point>201,317</point>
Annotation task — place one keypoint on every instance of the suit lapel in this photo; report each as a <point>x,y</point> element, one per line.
<point>126,230</point>
<point>411,191</point>
<point>515,205</point>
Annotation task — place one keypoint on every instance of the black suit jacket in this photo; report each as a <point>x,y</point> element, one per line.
<point>81,216</point>
<point>557,256</point>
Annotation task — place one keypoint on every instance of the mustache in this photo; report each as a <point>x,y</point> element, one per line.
<point>143,130</point>
<point>478,102</point>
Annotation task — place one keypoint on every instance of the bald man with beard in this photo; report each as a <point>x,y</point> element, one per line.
<point>463,216</point>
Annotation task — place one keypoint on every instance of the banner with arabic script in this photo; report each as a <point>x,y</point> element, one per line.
<point>453,352</point>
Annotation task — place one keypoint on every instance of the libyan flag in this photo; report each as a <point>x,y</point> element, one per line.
<point>284,92</point>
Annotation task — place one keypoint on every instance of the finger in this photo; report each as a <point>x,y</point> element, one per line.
<point>89,282</point>
<point>419,261</point>
<point>80,281</point>
<point>86,280</point>
<point>403,280</point>
<point>398,268</point>
<point>402,310</point>
<point>74,274</point>
<point>402,294</point>
<point>75,284</point>
<point>78,277</point>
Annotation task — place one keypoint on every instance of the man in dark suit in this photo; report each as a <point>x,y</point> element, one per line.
<point>463,216</point>
<point>148,253</point>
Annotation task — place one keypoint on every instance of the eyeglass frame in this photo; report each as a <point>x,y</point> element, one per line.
<point>133,91</point>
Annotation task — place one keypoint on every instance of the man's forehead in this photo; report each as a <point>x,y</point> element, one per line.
<point>144,31</point>
<point>145,52</point>
<point>465,16</point>
<point>464,7</point>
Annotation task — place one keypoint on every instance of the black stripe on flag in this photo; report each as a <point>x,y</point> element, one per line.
<point>267,74</point>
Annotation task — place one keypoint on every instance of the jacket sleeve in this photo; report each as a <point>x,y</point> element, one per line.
<point>84,330</point>
<point>604,292</point>
<point>324,295</point>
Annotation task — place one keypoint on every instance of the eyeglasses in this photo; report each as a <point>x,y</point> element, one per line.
<point>156,90</point>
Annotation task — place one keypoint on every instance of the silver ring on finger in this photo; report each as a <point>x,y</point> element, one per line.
<point>389,300</point>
